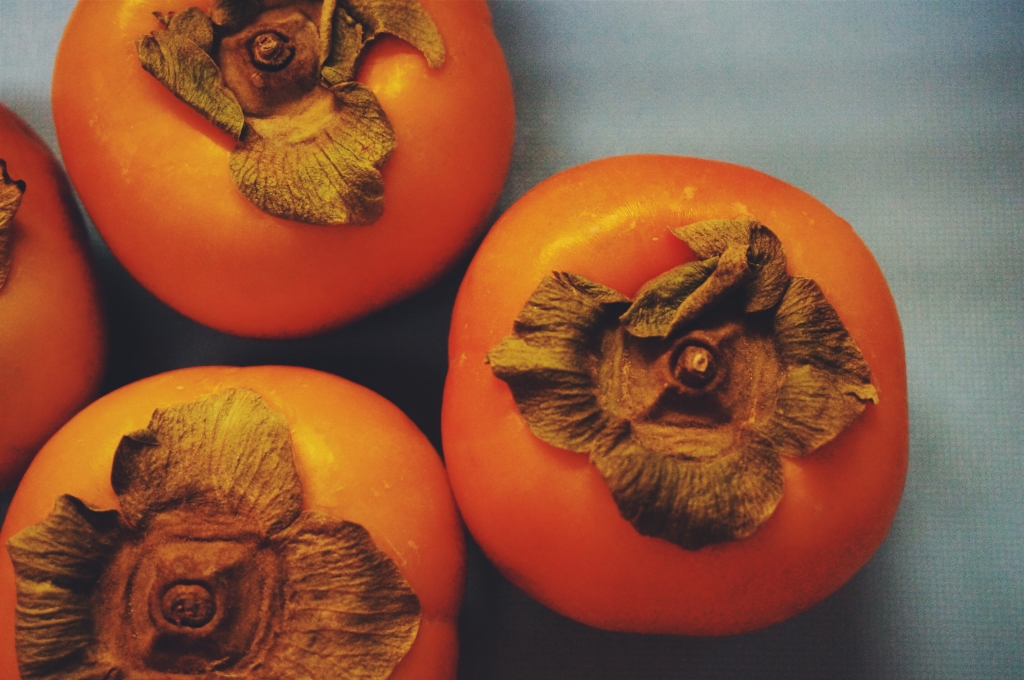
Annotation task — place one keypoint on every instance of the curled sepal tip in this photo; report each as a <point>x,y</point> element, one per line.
<point>58,564</point>
<point>212,570</point>
<point>179,57</point>
<point>279,76</point>
<point>686,397</point>
<point>11,192</point>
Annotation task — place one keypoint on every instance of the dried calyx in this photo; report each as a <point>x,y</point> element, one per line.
<point>279,76</point>
<point>11,192</point>
<point>213,569</point>
<point>686,397</point>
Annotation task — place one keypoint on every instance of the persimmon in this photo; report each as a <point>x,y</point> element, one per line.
<point>268,519</point>
<point>270,192</point>
<point>52,341</point>
<point>676,399</point>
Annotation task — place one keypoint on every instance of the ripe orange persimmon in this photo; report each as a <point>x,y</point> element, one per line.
<point>154,174</point>
<point>357,458</point>
<point>545,515</point>
<point>51,332</point>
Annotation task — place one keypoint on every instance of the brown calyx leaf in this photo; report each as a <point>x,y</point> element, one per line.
<point>764,253</point>
<point>353,24</point>
<point>178,57</point>
<point>829,383</point>
<point>58,564</point>
<point>694,504</point>
<point>404,19</point>
<point>686,398</point>
<point>11,192</point>
<point>228,453</point>
<point>364,614</point>
<point>552,351</point>
<point>279,76</point>
<point>657,301</point>
<point>328,177</point>
<point>213,570</point>
<point>234,14</point>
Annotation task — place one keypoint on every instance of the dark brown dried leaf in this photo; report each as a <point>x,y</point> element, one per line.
<point>342,50</point>
<point>234,14</point>
<point>404,19</point>
<point>692,458</point>
<point>764,253</point>
<point>693,502</point>
<point>731,272</point>
<point>828,383</point>
<point>177,57</point>
<point>228,453</point>
<point>329,177</point>
<point>352,24</point>
<point>810,331</point>
<point>552,351</point>
<point>57,564</point>
<point>654,310</point>
<point>11,192</point>
<point>348,611</point>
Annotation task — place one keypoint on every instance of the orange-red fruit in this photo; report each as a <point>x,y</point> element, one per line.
<point>544,515</point>
<point>52,341</point>
<point>154,176</point>
<point>359,458</point>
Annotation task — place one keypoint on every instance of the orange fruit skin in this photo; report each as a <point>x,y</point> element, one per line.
<point>52,339</point>
<point>545,517</point>
<point>359,458</point>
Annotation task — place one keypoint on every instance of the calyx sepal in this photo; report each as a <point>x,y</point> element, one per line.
<point>279,77</point>
<point>212,568</point>
<point>686,397</point>
<point>11,192</point>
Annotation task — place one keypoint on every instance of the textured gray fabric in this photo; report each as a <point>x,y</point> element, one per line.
<point>908,120</point>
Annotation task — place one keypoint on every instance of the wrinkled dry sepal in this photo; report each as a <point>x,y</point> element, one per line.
<point>331,177</point>
<point>814,406</point>
<point>234,14</point>
<point>808,330</point>
<point>11,192</point>
<point>549,362</point>
<point>228,454</point>
<point>351,25</point>
<point>58,564</point>
<point>178,57</point>
<point>768,262</point>
<point>344,39</point>
<point>557,396</point>
<point>693,502</point>
<point>404,19</point>
<point>827,383</point>
<point>730,274</point>
<point>687,400</point>
<point>657,301</point>
<point>764,254</point>
<point>348,611</point>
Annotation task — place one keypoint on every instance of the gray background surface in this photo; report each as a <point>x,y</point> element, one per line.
<point>905,118</point>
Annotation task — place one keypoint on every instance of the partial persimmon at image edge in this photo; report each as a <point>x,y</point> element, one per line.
<point>52,338</point>
<point>357,456</point>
